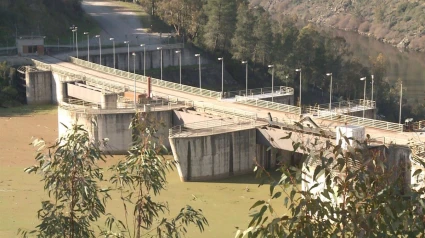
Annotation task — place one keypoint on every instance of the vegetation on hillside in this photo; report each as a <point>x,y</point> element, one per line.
<point>50,18</point>
<point>391,21</point>
<point>252,34</point>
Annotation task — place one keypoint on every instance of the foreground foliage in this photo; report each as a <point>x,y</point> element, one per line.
<point>71,175</point>
<point>139,178</point>
<point>349,193</point>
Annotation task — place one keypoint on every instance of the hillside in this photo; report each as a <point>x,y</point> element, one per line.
<point>50,18</point>
<point>397,22</point>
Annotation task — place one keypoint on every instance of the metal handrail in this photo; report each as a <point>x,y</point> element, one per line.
<point>352,120</point>
<point>212,108</point>
<point>267,104</point>
<point>209,128</point>
<point>279,90</point>
<point>143,79</point>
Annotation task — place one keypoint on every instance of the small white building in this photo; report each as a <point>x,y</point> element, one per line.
<point>30,45</point>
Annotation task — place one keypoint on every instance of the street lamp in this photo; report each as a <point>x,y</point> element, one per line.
<point>246,77</point>
<point>364,94</point>
<point>134,74</point>
<point>199,62</point>
<point>160,48</point>
<point>72,28</point>
<point>299,70</point>
<point>76,38</point>
<point>180,65</point>
<point>113,48</point>
<point>88,46</point>
<point>330,92</point>
<point>128,55</point>
<point>144,59</point>
<point>272,66</point>
<point>100,50</point>
<point>401,100</point>
<point>222,75</point>
<point>371,98</point>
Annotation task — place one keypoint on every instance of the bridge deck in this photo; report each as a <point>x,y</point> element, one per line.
<point>398,137</point>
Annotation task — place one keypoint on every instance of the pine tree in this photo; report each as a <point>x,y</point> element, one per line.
<point>220,25</point>
<point>263,36</point>
<point>243,42</point>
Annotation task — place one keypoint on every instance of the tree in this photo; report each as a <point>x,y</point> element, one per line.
<point>263,37</point>
<point>140,177</point>
<point>220,25</point>
<point>352,192</point>
<point>70,174</point>
<point>243,41</point>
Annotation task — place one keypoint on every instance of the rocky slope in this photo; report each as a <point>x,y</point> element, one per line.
<point>397,22</point>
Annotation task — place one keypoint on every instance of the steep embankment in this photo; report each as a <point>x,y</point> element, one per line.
<point>397,22</point>
<point>50,18</point>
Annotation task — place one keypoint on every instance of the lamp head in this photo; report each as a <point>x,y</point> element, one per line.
<point>364,78</point>
<point>86,33</point>
<point>126,42</point>
<point>298,70</point>
<point>329,74</point>
<point>178,51</point>
<point>97,36</point>
<point>220,58</point>
<point>244,62</point>
<point>111,38</point>
<point>159,48</point>
<point>270,66</point>
<point>133,54</point>
<point>142,45</point>
<point>197,55</point>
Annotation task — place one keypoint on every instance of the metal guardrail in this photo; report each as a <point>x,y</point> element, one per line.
<point>385,140</point>
<point>143,79</point>
<point>359,121</point>
<point>341,107</point>
<point>225,111</point>
<point>209,128</point>
<point>278,90</point>
<point>267,104</point>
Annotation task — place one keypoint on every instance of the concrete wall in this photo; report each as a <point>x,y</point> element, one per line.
<point>214,156</point>
<point>59,91</point>
<point>153,59</point>
<point>114,126</point>
<point>38,87</point>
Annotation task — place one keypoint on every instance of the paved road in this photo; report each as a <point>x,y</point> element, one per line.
<point>118,22</point>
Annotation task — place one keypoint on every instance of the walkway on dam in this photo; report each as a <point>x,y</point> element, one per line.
<point>396,137</point>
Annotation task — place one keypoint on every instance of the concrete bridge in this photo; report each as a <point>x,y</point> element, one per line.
<point>210,135</point>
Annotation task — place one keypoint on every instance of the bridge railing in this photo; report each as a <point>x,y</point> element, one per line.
<point>267,104</point>
<point>226,111</point>
<point>208,128</point>
<point>143,79</point>
<point>359,121</point>
<point>341,107</point>
<point>278,90</point>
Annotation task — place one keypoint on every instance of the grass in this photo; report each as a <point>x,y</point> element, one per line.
<point>28,109</point>
<point>152,23</point>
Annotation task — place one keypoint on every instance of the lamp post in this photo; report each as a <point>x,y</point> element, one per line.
<point>180,65</point>
<point>72,28</point>
<point>199,63</point>
<point>88,45</point>
<point>144,59</point>
<point>371,98</point>
<point>113,48</point>
<point>100,50</point>
<point>401,100</point>
<point>330,92</point>
<point>364,94</point>
<point>299,70</point>
<point>222,75</point>
<point>128,55</point>
<point>272,66</point>
<point>76,38</point>
<point>134,74</point>
<point>246,77</point>
<point>160,48</point>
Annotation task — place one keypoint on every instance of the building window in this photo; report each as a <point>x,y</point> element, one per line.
<point>32,49</point>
